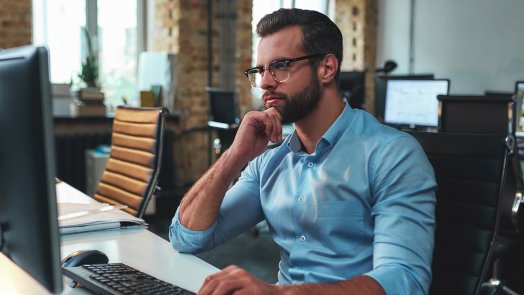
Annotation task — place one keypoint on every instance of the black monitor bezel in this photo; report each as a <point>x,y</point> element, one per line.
<point>414,126</point>
<point>28,208</point>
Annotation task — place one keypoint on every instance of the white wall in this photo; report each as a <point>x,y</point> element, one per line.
<point>478,44</point>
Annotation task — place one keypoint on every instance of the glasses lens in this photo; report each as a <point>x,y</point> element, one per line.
<point>254,77</point>
<point>279,70</point>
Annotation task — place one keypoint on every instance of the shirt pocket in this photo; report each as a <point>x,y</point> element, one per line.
<point>342,228</point>
<point>341,209</point>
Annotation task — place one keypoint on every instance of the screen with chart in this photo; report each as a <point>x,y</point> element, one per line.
<point>413,103</point>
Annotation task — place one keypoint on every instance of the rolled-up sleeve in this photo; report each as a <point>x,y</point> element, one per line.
<point>404,215</point>
<point>188,241</point>
<point>239,211</point>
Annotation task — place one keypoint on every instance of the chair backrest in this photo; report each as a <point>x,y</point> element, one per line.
<point>131,173</point>
<point>493,113</point>
<point>223,107</point>
<point>477,114</point>
<point>471,172</point>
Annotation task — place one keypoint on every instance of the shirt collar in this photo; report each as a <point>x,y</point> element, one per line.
<point>332,134</point>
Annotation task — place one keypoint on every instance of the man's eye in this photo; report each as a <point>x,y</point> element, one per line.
<point>280,65</point>
<point>255,71</point>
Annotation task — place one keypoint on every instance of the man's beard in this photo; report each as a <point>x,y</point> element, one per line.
<point>299,105</point>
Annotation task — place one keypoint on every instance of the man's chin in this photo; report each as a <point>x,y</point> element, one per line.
<point>277,107</point>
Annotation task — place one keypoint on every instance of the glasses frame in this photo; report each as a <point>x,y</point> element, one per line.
<point>271,69</point>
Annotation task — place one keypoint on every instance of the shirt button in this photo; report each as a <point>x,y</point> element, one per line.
<point>302,238</point>
<point>310,164</point>
<point>301,199</point>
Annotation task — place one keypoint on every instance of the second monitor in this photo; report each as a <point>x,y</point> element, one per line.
<point>413,103</point>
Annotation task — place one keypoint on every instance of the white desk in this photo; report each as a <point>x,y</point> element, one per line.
<point>138,248</point>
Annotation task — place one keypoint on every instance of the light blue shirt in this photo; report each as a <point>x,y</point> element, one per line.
<point>362,203</point>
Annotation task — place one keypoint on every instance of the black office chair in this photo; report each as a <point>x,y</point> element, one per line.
<point>489,114</point>
<point>473,174</point>
<point>224,119</point>
<point>477,114</point>
<point>493,114</point>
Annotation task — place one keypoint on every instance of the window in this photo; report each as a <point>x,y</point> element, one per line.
<point>114,27</point>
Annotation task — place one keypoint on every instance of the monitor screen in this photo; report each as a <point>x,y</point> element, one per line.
<point>352,86</point>
<point>413,102</point>
<point>28,210</point>
<point>380,89</point>
<point>519,89</point>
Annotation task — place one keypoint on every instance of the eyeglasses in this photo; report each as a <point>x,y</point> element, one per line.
<point>279,70</point>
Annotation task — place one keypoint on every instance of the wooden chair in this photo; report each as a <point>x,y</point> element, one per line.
<point>131,173</point>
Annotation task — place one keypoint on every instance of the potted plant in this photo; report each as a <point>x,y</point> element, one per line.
<point>89,73</point>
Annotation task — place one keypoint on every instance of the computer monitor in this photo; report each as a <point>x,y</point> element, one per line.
<point>380,89</point>
<point>28,209</point>
<point>352,87</point>
<point>519,89</point>
<point>413,103</point>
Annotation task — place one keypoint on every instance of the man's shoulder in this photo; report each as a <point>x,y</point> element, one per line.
<point>367,127</point>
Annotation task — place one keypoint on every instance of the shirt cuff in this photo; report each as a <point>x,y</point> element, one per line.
<point>394,281</point>
<point>186,240</point>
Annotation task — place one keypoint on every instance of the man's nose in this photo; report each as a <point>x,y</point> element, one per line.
<point>267,81</point>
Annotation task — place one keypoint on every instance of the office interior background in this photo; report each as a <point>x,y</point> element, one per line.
<point>477,44</point>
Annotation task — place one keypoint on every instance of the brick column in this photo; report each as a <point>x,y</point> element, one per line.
<point>357,19</point>
<point>15,23</point>
<point>181,28</point>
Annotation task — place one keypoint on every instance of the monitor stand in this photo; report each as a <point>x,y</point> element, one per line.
<point>417,128</point>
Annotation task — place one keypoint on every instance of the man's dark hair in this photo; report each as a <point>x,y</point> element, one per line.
<point>320,34</point>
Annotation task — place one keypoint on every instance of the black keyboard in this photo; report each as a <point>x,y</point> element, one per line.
<point>119,278</point>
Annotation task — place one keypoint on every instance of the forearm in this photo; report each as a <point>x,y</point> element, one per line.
<point>361,285</point>
<point>200,206</point>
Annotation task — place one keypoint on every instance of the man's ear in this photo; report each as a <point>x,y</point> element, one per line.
<point>328,69</point>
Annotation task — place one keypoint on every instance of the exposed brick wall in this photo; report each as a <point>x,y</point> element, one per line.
<point>181,27</point>
<point>244,44</point>
<point>357,19</point>
<point>15,23</point>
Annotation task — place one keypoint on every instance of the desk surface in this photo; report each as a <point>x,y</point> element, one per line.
<point>138,248</point>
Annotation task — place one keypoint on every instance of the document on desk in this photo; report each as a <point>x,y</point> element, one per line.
<point>79,213</point>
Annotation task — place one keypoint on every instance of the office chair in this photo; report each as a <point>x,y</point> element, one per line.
<point>473,177</point>
<point>477,114</point>
<point>493,114</point>
<point>223,118</point>
<point>131,173</point>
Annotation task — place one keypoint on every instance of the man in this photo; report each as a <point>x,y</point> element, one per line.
<point>350,202</point>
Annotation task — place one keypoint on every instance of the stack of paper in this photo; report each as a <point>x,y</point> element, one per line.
<point>79,213</point>
<point>75,218</point>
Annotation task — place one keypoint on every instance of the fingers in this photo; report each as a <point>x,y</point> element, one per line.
<point>273,123</point>
<point>227,281</point>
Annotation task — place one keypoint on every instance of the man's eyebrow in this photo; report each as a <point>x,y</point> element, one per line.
<point>273,60</point>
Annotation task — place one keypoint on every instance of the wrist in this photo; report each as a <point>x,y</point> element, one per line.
<point>290,290</point>
<point>235,160</point>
